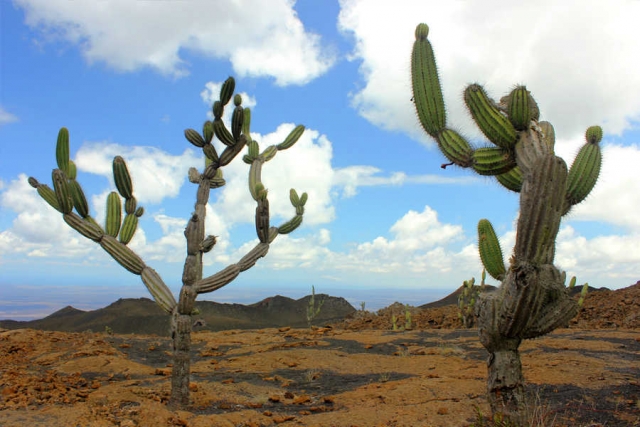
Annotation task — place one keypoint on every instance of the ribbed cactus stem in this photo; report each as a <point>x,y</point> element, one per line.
<point>85,227</point>
<point>427,94</point>
<point>250,259</point>
<point>491,121</point>
<point>292,138</point>
<point>61,188</point>
<point>218,280</point>
<point>156,286</point>
<point>585,169</point>
<point>541,207</point>
<point>521,108</point>
<point>121,253</point>
<point>490,250</point>
<point>62,150</point>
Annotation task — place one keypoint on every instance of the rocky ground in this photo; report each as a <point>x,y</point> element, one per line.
<point>357,373</point>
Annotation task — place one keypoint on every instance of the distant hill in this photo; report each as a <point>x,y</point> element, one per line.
<point>143,316</point>
<point>452,298</point>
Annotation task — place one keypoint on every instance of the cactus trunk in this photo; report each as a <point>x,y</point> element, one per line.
<point>532,299</point>
<point>181,371</point>
<point>505,382</point>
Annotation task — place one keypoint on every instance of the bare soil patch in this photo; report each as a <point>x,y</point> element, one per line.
<point>302,377</point>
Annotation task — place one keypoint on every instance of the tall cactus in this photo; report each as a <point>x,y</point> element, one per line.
<point>67,194</point>
<point>532,299</point>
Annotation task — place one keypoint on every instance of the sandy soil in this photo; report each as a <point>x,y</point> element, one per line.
<point>302,377</point>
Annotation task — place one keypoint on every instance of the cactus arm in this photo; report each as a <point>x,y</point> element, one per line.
<point>427,93</point>
<point>68,194</point>
<point>62,150</point>
<point>490,250</point>
<point>585,169</point>
<point>292,138</point>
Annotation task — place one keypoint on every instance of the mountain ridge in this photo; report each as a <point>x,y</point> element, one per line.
<point>144,316</point>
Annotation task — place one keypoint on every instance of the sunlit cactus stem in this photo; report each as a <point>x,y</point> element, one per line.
<point>123,214</point>
<point>532,299</point>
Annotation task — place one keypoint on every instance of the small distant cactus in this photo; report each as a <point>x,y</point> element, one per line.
<point>67,195</point>
<point>532,299</point>
<point>313,309</point>
<point>396,322</point>
<point>583,292</point>
<point>407,318</point>
<point>467,299</point>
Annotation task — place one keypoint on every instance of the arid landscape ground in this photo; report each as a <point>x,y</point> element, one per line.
<point>357,372</point>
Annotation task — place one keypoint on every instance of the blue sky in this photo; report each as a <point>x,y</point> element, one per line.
<point>383,222</point>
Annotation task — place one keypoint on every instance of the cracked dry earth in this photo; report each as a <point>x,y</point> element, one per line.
<point>301,377</point>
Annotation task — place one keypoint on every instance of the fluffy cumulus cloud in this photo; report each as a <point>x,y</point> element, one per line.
<point>157,174</point>
<point>616,196</point>
<point>261,39</point>
<point>419,244</point>
<point>38,230</point>
<point>551,46</point>
<point>603,260</point>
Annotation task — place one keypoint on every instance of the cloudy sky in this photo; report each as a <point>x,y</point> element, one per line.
<point>383,222</point>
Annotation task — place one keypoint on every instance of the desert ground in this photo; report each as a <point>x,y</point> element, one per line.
<point>355,373</point>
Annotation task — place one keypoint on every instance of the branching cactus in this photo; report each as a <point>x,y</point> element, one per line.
<point>467,299</point>
<point>67,195</point>
<point>532,299</point>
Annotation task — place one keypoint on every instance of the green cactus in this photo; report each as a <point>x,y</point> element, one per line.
<point>67,194</point>
<point>583,294</point>
<point>583,291</point>
<point>532,299</point>
<point>407,318</point>
<point>467,299</point>
<point>313,309</point>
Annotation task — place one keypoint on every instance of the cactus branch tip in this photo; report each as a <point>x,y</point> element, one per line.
<point>594,134</point>
<point>422,31</point>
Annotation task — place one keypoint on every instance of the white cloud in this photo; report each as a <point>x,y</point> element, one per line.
<point>260,39</point>
<point>602,260</point>
<point>570,54</point>
<point>6,117</point>
<point>211,93</point>
<point>306,167</point>
<point>616,196</point>
<point>420,243</point>
<point>155,174</point>
<point>351,177</point>
<point>38,230</point>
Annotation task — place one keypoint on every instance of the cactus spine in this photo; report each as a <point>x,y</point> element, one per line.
<point>67,194</point>
<point>532,299</point>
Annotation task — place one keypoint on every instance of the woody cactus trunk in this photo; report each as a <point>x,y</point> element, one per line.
<point>67,195</point>
<point>532,299</point>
